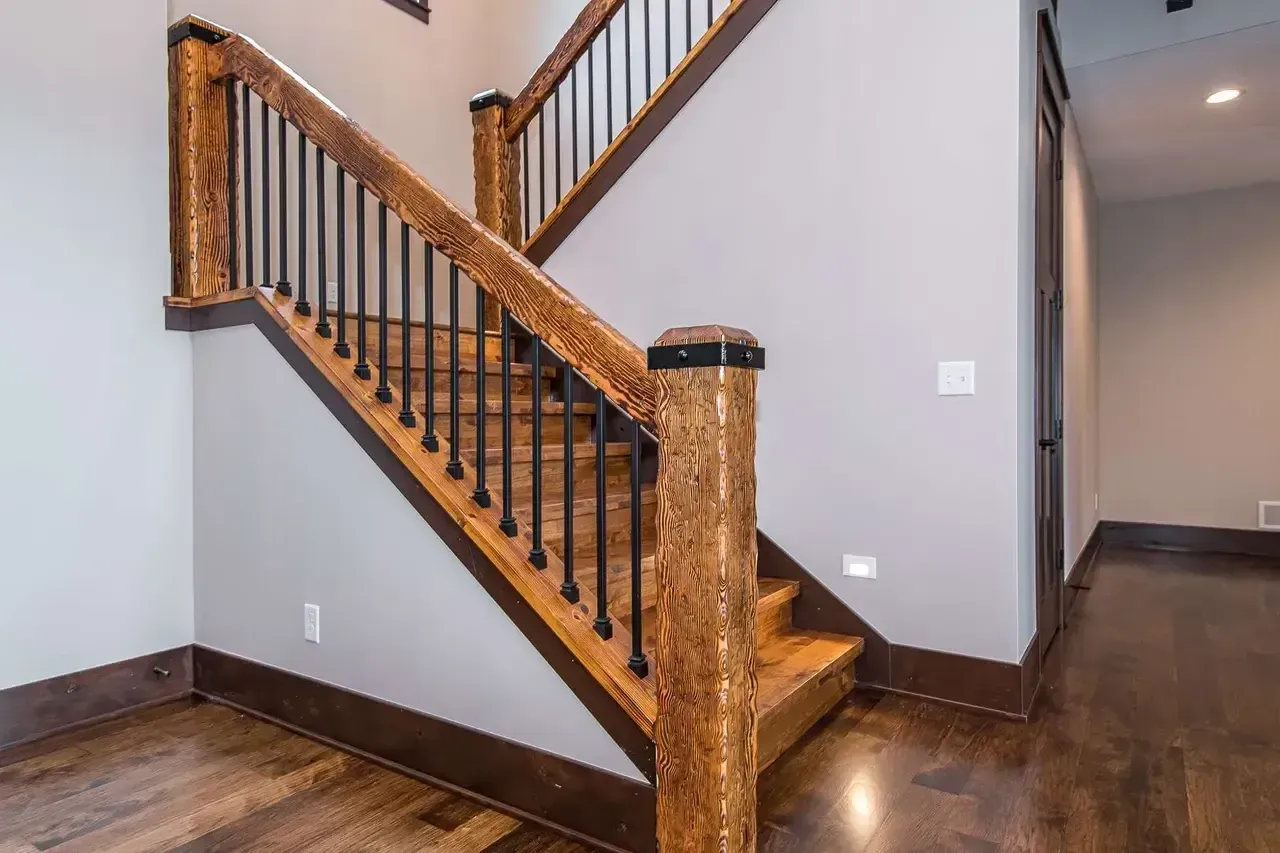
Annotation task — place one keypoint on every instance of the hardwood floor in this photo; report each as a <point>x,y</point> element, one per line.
<point>1158,730</point>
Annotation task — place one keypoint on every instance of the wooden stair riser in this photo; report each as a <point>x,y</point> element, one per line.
<point>418,343</point>
<point>617,534</point>
<point>521,385</point>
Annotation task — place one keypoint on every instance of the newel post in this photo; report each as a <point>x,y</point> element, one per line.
<point>200,148</point>
<point>707,589</point>
<point>497,167</point>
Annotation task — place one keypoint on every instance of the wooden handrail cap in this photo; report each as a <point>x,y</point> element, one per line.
<point>706,335</point>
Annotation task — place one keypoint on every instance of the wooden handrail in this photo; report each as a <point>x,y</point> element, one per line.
<point>599,352</point>
<point>590,21</point>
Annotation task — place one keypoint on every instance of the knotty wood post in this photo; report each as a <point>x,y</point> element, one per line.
<point>199,222</point>
<point>707,722</point>
<point>497,165</point>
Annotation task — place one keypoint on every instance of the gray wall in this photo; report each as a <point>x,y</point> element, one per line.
<point>1080,321</point>
<point>95,442</point>
<point>828,190</point>
<point>1189,312</point>
<point>290,511</point>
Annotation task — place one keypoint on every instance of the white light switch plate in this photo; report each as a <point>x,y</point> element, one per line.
<point>311,623</point>
<point>955,379</point>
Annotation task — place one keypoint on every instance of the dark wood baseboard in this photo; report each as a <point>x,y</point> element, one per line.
<point>633,142</point>
<point>1078,578</point>
<point>239,310</point>
<point>1213,540</point>
<point>580,801</point>
<point>1005,689</point>
<point>43,708</point>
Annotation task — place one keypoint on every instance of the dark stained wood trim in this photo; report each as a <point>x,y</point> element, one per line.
<point>417,10</point>
<point>606,357</point>
<point>649,122</point>
<point>590,21</point>
<point>974,683</point>
<point>581,801</point>
<point>819,609</point>
<point>32,711</point>
<point>633,740</point>
<point>1214,540</point>
<point>1077,578</point>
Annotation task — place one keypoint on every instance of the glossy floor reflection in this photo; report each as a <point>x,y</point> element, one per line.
<point>1158,729</point>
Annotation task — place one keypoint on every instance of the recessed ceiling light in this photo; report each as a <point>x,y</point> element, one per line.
<point>1223,96</point>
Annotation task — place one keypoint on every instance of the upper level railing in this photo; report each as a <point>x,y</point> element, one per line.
<point>419,9</point>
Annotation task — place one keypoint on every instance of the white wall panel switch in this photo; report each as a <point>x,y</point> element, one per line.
<point>955,379</point>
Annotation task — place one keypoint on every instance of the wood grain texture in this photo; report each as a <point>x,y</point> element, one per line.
<point>524,782</point>
<point>601,353</point>
<point>719,42</point>
<point>707,725</point>
<point>497,168</point>
<point>42,708</point>
<point>199,230</point>
<point>590,21</point>
<point>605,662</point>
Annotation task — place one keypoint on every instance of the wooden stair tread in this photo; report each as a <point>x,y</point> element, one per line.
<point>467,405</point>
<point>553,510</point>
<point>418,364</point>
<point>801,675</point>
<point>774,593</point>
<point>583,451</point>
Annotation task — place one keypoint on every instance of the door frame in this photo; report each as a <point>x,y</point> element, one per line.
<point>1051,100</point>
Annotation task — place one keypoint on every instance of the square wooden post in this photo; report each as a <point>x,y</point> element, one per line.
<point>200,148</point>
<point>497,166</point>
<point>707,723</point>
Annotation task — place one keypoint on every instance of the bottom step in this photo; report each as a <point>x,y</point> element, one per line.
<point>802,675</point>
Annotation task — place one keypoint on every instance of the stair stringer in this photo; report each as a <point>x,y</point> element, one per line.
<point>587,665</point>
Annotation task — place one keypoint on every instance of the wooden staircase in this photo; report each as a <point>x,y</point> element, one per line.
<point>802,674</point>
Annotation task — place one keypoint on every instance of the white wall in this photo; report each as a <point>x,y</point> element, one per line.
<point>865,232</point>
<point>1190,402</point>
<point>1098,30</point>
<point>95,444</point>
<point>290,510</point>
<point>1080,321</point>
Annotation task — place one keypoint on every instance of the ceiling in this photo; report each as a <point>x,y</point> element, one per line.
<point>1148,133</point>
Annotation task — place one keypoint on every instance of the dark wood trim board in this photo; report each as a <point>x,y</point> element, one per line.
<point>580,801</point>
<point>630,737</point>
<point>1078,577</point>
<point>1214,540</point>
<point>43,708</point>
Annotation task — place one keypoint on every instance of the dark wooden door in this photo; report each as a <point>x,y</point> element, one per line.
<point>1050,520</point>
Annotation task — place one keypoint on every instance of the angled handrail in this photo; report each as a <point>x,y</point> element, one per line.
<point>597,350</point>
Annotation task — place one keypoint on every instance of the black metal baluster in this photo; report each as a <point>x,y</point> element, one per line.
<point>283,284</point>
<point>430,440</point>
<point>322,249</point>
<point>233,205</point>
<point>602,624</point>
<point>648,53</point>
<point>303,307</point>
<point>573,114</point>
<point>569,588</point>
<point>591,105</point>
<point>266,195</point>
<point>537,555</point>
<point>454,467</point>
<point>711,13</point>
<point>638,662</point>
<point>508,522</point>
<point>626,39</point>
<point>608,79</point>
<point>542,165</point>
<point>383,392</point>
<point>342,348</point>
<point>559,196</point>
<point>362,319</point>
<point>528,188</point>
<point>248,186</point>
<point>406,333</point>
<point>688,25</point>
<point>481,494</point>
<point>667,18</point>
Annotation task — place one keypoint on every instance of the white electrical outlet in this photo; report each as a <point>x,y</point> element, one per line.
<point>331,295</point>
<point>860,567</point>
<point>955,379</point>
<point>311,623</point>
